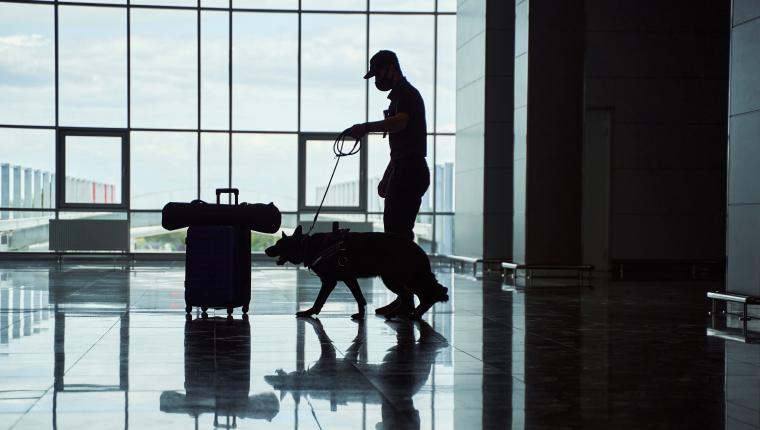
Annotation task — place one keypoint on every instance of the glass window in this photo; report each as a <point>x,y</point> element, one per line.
<point>447,5</point>
<point>265,71</point>
<point>265,4</point>
<point>100,1</point>
<point>215,3</point>
<point>427,199</point>
<point>423,232</point>
<point>164,68</point>
<point>215,70</point>
<point>27,64</point>
<point>446,78</point>
<point>186,3</point>
<point>411,38</point>
<point>402,5</point>
<point>444,173</point>
<point>93,66</point>
<point>215,164</point>
<point>265,168</point>
<point>27,232</point>
<point>260,241</point>
<point>333,63</point>
<point>378,156</point>
<point>163,168</point>
<point>93,169</point>
<point>444,234</point>
<point>22,151</point>
<point>320,160</point>
<point>147,235</point>
<point>334,4</point>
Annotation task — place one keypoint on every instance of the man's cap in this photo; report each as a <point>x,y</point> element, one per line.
<point>379,61</point>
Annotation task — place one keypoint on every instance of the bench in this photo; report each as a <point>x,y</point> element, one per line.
<point>694,269</point>
<point>529,269</point>
<point>745,300</point>
<point>463,260</point>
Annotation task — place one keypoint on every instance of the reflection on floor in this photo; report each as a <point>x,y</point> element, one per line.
<point>99,346</point>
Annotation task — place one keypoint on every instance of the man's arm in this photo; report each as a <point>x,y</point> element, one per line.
<point>392,124</point>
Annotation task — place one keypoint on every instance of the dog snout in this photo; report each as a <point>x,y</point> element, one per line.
<point>271,251</point>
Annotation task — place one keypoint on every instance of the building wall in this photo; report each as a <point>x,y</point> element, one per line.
<point>485,43</point>
<point>661,72</point>
<point>743,236</point>
<point>469,169</point>
<point>548,121</point>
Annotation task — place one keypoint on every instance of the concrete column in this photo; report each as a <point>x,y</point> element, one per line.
<point>743,233</point>
<point>17,202</point>
<point>68,189</point>
<point>52,202</point>
<point>5,188</point>
<point>45,201</point>
<point>483,176</point>
<point>548,118</point>
<point>37,194</point>
<point>28,188</point>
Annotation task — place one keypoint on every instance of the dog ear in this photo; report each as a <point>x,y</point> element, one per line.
<point>298,232</point>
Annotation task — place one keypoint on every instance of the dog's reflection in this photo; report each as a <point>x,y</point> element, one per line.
<point>392,383</point>
<point>218,373</point>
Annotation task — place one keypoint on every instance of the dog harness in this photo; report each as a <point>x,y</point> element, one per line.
<point>336,249</point>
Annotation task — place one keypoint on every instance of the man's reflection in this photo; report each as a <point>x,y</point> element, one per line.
<point>392,384</point>
<point>218,374</point>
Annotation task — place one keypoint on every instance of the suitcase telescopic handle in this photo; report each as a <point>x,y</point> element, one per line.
<point>220,191</point>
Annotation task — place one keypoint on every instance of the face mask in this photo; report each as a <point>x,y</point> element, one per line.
<point>385,83</point>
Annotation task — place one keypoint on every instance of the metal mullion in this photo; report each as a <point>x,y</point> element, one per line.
<point>128,179</point>
<point>40,127</point>
<point>300,166</point>
<point>298,116</point>
<point>57,153</point>
<point>198,84</point>
<point>229,102</point>
<point>435,127</point>
<point>15,209</point>
<point>366,62</point>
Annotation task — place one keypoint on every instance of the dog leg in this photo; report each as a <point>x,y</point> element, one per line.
<point>437,293</point>
<point>324,292</point>
<point>404,304</point>
<point>404,308</point>
<point>353,285</point>
<point>387,308</point>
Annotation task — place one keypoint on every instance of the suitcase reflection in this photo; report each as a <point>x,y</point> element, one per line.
<point>217,375</point>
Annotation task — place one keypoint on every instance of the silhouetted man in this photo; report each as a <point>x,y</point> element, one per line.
<point>407,176</point>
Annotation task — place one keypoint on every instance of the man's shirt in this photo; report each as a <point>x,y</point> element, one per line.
<point>411,142</point>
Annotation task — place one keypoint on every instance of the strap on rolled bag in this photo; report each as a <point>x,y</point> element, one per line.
<point>264,218</point>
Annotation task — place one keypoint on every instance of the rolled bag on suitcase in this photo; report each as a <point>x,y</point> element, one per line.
<point>264,218</point>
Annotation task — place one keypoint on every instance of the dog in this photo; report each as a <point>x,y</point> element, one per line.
<point>343,256</point>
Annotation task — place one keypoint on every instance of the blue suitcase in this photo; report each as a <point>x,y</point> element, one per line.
<point>218,268</point>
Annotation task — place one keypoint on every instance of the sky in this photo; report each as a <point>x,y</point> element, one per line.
<point>93,89</point>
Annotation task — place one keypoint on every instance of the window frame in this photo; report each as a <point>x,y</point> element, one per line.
<point>60,171</point>
<point>330,137</point>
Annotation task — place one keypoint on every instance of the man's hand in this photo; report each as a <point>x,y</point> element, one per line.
<point>358,131</point>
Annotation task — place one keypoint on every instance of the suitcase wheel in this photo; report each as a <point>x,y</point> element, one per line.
<point>245,309</point>
<point>188,317</point>
<point>204,315</point>
<point>188,309</point>
<point>230,310</point>
<point>204,309</point>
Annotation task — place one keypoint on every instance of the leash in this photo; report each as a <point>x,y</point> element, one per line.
<point>338,151</point>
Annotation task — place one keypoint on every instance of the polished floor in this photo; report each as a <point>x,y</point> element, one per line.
<point>107,347</point>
